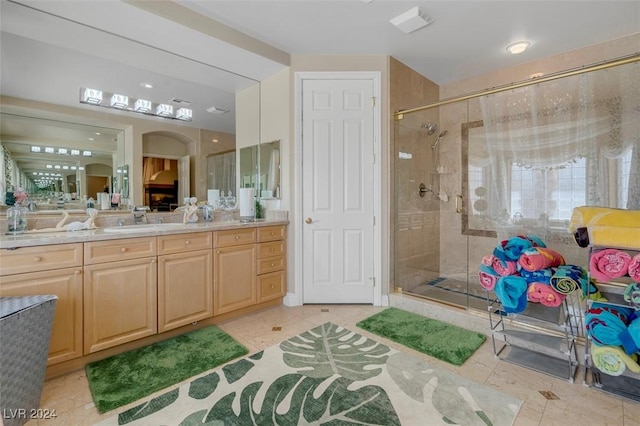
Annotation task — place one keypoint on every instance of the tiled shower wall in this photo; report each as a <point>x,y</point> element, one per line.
<point>416,224</point>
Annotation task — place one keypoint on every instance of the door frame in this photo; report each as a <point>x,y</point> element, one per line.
<point>296,298</point>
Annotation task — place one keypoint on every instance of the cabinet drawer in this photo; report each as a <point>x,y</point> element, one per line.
<point>234,237</point>
<point>168,244</point>
<point>271,286</point>
<point>41,258</point>
<point>123,249</point>
<point>270,264</point>
<point>271,233</point>
<point>275,248</point>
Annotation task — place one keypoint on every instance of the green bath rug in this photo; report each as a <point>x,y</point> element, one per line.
<point>440,340</point>
<point>127,377</point>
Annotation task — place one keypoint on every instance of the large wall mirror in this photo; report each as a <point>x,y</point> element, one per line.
<point>54,46</point>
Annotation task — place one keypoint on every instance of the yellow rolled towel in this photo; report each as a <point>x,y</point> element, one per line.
<point>608,226</point>
<point>613,360</point>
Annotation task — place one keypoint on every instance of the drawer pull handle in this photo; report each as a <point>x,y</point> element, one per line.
<point>77,272</point>
<point>271,263</point>
<point>273,249</point>
<point>123,250</point>
<point>272,233</point>
<point>272,287</point>
<point>237,237</point>
<point>37,259</point>
<point>187,242</point>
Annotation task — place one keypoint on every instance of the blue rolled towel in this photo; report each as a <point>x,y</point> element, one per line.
<point>630,338</point>
<point>512,292</point>
<point>537,276</point>
<point>512,248</point>
<point>604,324</point>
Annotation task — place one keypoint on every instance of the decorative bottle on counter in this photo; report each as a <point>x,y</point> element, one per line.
<point>16,219</point>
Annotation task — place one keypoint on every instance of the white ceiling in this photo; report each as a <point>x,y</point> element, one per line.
<point>52,48</point>
<point>466,39</point>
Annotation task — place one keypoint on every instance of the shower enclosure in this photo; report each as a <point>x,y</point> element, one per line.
<point>472,172</point>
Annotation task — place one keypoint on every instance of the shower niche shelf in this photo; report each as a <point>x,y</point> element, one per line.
<point>540,338</point>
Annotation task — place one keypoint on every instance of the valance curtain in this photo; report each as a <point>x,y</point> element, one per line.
<point>593,116</point>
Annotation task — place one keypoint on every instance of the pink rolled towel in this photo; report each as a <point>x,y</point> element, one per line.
<point>538,258</point>
<point>609,263</point>
<point>545,295</point>
<point>634,268</point>
<point>487,277</point>
<point>502,267</point>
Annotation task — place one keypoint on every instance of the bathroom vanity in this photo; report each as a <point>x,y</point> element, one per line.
<point>118,291</point>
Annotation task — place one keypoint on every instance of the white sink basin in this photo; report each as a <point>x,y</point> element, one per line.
<point>144,228</point>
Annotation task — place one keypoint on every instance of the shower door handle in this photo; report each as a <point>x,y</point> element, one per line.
<point>458,203</point>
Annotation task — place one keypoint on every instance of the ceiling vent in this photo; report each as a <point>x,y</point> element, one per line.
<point>181,102</point>
<point>217,110</point>
<point>411,20</point>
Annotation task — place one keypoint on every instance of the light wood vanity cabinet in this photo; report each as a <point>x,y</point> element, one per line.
<point>271,263</point>
<point>113,292</point>
<point>120,292</point>
<point>185,288</point>
<point>234,270</point>
<point>45,270</point>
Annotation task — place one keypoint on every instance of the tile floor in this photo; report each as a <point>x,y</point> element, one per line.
<point>576,403</point>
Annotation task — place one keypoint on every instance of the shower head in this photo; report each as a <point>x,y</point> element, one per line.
<point>431,128</point>
<point>435,144</point>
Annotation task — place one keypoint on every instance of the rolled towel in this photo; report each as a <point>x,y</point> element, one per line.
<point>605,324</point>
<point>567,278</point>
<point>512,248</point>
<point>612,360</point>
<point>540,258</point>
<point>632,295</point>
<point>487,260</point>
<point>487,277</point>
<point>630,338</point>
<point>607,264</point>
<point>512,292</point>
<point>538,276</point>
<point>504,267</point>
<point>634,268</point>
<point>545,295</point>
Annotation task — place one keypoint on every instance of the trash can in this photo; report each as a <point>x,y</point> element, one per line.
<point>25,331</point>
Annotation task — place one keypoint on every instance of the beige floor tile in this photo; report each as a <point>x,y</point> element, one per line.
<point>69,395</point>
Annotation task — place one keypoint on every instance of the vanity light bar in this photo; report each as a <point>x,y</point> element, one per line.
<point>142,106</point>
<point>61,151</point>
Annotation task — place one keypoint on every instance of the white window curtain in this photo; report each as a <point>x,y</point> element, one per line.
<point>591,118</point>
<point>222,172</point>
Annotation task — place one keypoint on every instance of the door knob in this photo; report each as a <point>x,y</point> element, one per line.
<point>309,220</point>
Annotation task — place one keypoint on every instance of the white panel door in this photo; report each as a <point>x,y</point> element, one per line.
<point>337,194</point>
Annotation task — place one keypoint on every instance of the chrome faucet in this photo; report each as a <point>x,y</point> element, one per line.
<point>139,214</point>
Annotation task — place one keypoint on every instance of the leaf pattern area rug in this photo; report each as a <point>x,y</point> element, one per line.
<point>328,375</point>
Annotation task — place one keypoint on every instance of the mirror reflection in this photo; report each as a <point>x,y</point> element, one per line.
<point>270,169</point>
<point>55,160</point>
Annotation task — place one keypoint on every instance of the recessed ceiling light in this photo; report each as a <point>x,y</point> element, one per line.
<point>147,85</point>
<point>536,75</point>
<point>518,47</point>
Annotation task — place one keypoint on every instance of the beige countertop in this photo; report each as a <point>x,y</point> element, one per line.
<point>38,239</point>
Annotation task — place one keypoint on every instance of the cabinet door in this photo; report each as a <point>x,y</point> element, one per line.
<point>66,335</point>
<point>185,288</point>
<point>120,303</point>
<point>234,282</point>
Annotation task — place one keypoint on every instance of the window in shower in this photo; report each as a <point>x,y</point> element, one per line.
<point>549,193</point>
